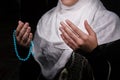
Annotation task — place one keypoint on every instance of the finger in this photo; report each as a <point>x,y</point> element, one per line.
<point>69,32</point>
<point>29,39</point>
<point>74,42</point>
<point>67,38</point>
<point>88,28</point>
<point>75,29</point>
<point>26,35</point>
<point>19,27</point>
<point>23,30</point>
<point>77,41</point>
<point>66,41</point>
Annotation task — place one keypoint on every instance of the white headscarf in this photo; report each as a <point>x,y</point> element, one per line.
<point>50,50</point>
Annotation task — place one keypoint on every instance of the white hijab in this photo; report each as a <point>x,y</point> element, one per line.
<point>50,50</point>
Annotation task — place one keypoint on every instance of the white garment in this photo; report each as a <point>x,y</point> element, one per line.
<point>50,50</point>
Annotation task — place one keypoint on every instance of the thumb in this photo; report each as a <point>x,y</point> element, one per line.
<point>88,28</point>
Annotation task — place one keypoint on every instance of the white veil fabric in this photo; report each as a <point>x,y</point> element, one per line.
<point>50,50</point>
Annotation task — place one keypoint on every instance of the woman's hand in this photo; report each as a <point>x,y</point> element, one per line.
<point>77,39</point>
<point>23,34</point>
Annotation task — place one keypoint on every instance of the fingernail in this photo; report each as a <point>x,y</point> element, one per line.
<point>61,22</point>
<point>19,22</point>
<point>61,29</point>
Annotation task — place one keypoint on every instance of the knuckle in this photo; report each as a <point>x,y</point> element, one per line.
<point>85,38</point>
<point>18,39</point>
<point>65,28</point>
<point>71,41</point>
<point>20,34</point>
<point>67,38</point>
<point>17,30</point>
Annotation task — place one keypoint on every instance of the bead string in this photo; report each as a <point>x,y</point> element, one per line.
<point>16,51</point>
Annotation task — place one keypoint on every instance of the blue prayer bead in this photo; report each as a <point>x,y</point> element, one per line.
<point>16,51</point>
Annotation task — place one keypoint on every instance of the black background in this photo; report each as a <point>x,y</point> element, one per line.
<point>28,11</point>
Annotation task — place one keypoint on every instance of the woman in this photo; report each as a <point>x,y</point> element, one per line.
<point>52,53</point>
